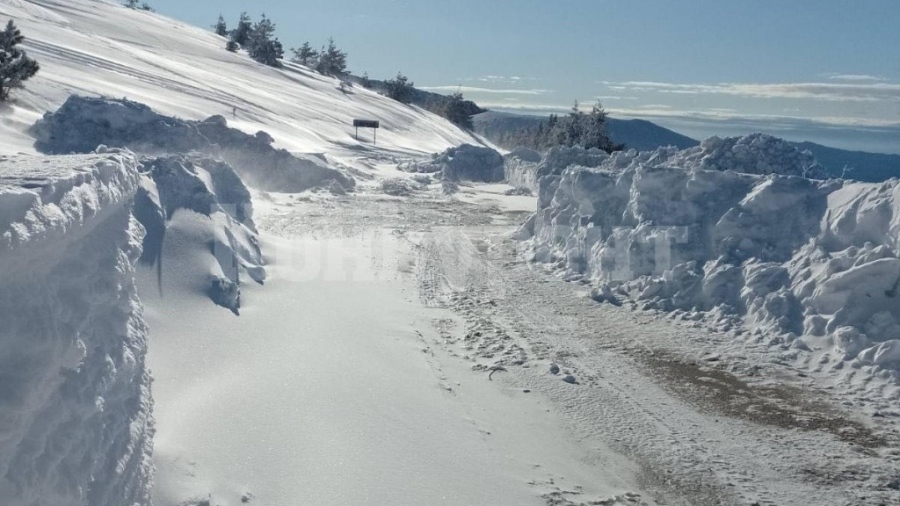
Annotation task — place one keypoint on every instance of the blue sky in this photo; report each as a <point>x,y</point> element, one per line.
<point>823,70</point>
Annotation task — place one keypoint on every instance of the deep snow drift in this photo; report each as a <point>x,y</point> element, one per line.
<point>75,420</point>
<point>211,195</point>
<point>83,123</point>
<point>731,233</point>
<point>461,163</point>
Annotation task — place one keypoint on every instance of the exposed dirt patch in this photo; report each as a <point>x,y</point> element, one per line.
<point>721,392</point>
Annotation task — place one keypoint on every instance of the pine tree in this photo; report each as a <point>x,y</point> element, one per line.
<point>262,45</point>
<point>400,88</point>
<point>220,27</point>
<point>457,110</point>
<point>332,61</point>
<point>365,81</point>
<point>15,66</point>
<point>594,134</point>
<point>242,32</point>
<point>305,55</point>
<point>131,4</point>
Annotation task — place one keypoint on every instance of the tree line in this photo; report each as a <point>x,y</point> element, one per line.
<point>577,128</point>
<point>259,40</point>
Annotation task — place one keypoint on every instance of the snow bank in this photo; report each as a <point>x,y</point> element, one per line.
<point>213,190</point>
<point>520,168</point>
<point>730,233</point>
<point>83,123</point>
<point>466,162</point>
<point>75,407</point>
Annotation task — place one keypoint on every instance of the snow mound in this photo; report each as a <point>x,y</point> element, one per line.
<point>520,167</point>
<point>400,187</point>
<point>466,162</point>
<point>213,190</point>
<point>75,413</point>
<point>812,264</point>
<point>751,154</point>
<point>83,123</point>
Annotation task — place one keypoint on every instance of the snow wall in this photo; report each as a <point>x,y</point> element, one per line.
<point>461,163</point>
<point>83,123</point>
<point>733,233</point>
<point>75,404</point>
<point>224,239</point>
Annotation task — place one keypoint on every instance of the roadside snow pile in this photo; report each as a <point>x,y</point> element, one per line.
<point>462,163</point>
<point>400,187</point>
<point>83,123</point>
<point>520,168</point>
<point>211,189</point>
<point>75,409</point>
<point>751,154</point>
<point>805,264</point>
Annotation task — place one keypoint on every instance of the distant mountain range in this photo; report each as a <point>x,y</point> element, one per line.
<point>645,135</point>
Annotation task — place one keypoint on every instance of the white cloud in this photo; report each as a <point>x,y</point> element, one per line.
<point>615,97</point>
<point>730,115</point>
<point>499,79</point>
<point>475,89</point>
<point>840,92</point>
<point>855,77</point>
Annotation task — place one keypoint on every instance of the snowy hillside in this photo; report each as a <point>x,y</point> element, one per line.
<point>98,47</point>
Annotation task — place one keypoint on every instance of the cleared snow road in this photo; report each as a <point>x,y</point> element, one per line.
<point>327,390</point>
<point>360,375</point>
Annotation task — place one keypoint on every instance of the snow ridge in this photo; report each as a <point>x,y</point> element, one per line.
<point>75,416</point>
<point>83,123</point>
<point>730,232</point>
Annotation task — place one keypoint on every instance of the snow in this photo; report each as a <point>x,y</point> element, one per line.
<point>465,162</point>
<point>222,219</point>
<point>83,123</point>
<point>100,48</point>
<point>75,414</point>
<point>400,352</point>
<point>730,230</point>
<point>342,403</point>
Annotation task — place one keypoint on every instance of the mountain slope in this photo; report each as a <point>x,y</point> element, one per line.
<point>870,167</point>
<point>634,133</point>
<point>102,48</point>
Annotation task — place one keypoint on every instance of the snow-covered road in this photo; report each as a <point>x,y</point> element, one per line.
<point>361,374</point>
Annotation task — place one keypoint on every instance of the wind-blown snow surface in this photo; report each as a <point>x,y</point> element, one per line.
<point>75,415</point>
<point>810,266</point>
<point>100,47</point>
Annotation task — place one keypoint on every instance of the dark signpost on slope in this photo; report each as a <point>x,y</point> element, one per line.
<point>367,123</point>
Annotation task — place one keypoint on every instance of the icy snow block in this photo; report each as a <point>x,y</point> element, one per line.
<point>83,123</point>
<point>521,168</point>
<point>75,414</point>
<point>472,163</point>
<point>466,162</point>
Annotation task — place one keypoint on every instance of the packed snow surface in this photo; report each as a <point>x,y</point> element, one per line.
<point>75,412</point>
<point>731,231</point>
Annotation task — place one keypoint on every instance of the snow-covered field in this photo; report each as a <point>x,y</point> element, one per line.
<point>394,344</point>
